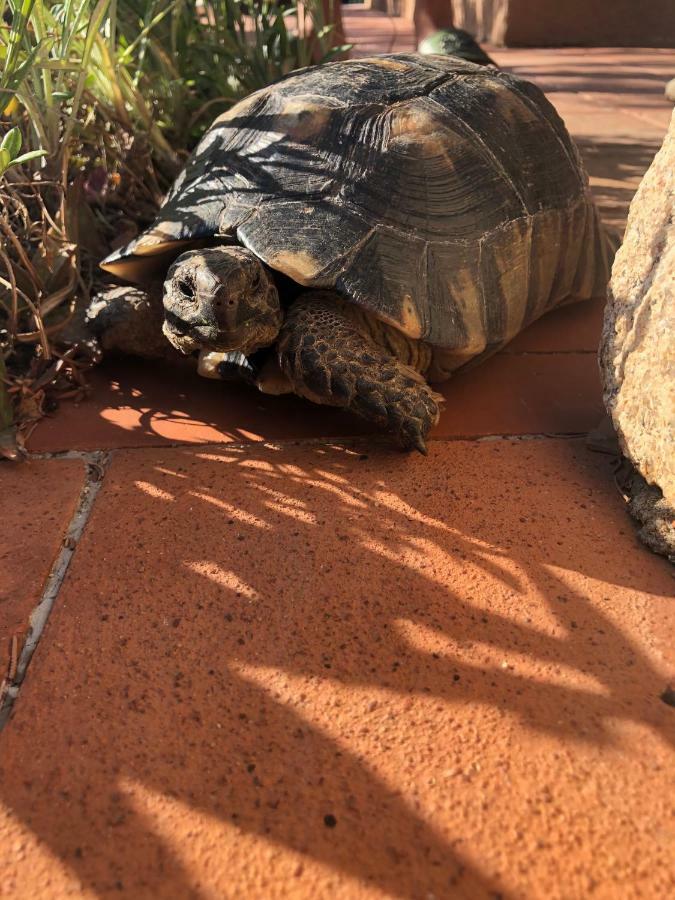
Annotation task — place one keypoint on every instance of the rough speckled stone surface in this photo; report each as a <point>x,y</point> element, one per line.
<point>314,672</point>
<point>37,501</point>
<point>638,342</point>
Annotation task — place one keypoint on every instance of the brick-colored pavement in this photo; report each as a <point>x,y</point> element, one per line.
<point>37,502</point>
<point>287,664</point>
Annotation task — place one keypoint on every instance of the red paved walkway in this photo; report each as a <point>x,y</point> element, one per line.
<point>290,666</point>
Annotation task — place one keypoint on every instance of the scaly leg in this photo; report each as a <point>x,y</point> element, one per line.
<point>329,359</point>
<point>129,320</point>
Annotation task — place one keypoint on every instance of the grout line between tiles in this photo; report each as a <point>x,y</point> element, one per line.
<point>96,463</point>
<point>376,440</point>
<point>508,352</point>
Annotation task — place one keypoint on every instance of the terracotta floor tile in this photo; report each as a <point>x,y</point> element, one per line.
<point>134,404</point>
<point>634,103</point>
<point>37,501</point>
<point>512,394</point>
<point>585,119</point>
<point>615,167</point>
<point>312,673</point>
<point>628,69</point>
<point>575,327</point>
<point>369,31</point>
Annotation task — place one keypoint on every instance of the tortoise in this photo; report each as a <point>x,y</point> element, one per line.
<point>362,229</point>
<point>455,42</point>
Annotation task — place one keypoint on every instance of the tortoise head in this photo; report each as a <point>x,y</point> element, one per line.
<point>220,298</point>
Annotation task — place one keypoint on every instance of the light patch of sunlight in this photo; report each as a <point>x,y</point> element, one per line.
<point>413,559</point>
<point>342,451</point>
<point>227,456</point>
<point>36,866</point>
<point>427,556</point>
<point>241,515</point>
<point>153,491</point>
<point>331,476</point>
<point>609,183</point>
<point>300,515</point>
<point>398,505</point>
<point>316,698</point>
<point>250,435</point>
<point>258,464</point>
<point>330,488</point>
<point>290,469</point>
<point>292,507</point>
<point>609,602</point>
<point>222,577</point>
<point>217,858</point>
<point>355,492</point>
<point>130,422</point>
<point>169,472</point>
<point>283,498</point>
<point>372,725</point>
<point>502,660</point>
<point>169,425</point>
<point>268,476</point>
<point>170,821</point>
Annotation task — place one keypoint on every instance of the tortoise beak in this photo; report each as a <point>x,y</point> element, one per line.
<point>188,334</point>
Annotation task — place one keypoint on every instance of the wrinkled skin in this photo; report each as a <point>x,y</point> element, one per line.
<point>220,299</point>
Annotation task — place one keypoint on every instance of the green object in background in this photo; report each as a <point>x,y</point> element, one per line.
<point>455,42</point>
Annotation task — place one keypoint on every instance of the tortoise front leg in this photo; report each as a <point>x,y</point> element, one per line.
<point>129,320</point>
<point>329,359</point>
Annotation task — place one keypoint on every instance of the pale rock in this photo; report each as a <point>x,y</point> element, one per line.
<point>637,353</point>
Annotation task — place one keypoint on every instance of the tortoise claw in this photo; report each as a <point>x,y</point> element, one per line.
<point>412,436</point>
<point>419,444</point>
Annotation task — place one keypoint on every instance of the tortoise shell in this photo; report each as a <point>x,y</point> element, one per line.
<point>445,198</point>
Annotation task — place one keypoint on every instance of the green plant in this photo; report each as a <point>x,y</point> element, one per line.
<point>64,65</point>
<point>197,63</point>
<point>9,151</point>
